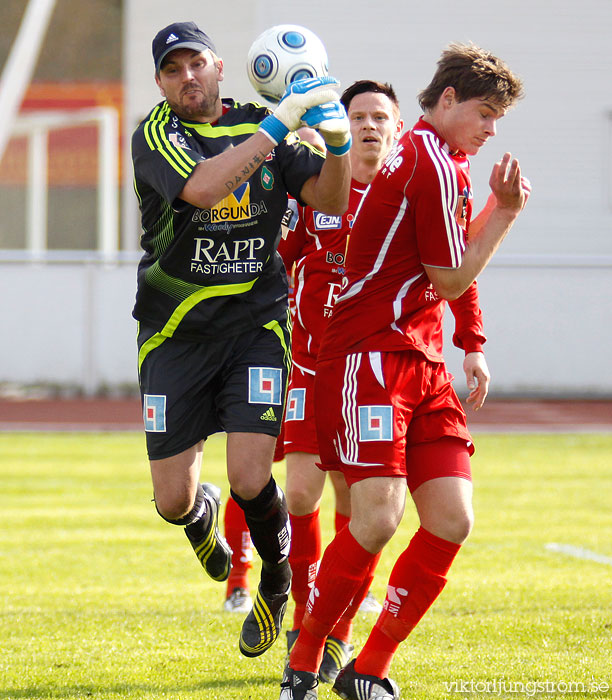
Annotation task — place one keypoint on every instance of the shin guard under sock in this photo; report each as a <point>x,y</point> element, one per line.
<point>268,521</point>
<point>341,573</point>
<point>304,559</point>
<point>343,630</point>
<point>417,579</point>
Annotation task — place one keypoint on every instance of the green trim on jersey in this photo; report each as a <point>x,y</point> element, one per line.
<point>157,141</point>
<point>276,327</point>
<point>163,230</point>
<point>172,286</point>
<point>210,131</point>
<point>314,149</point>
<point>154,342</point>
<point>136,190</point>
<point>204,293</point>
<point>185,307</point>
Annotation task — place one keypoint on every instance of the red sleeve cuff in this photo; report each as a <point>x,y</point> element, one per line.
<point>474,346</point>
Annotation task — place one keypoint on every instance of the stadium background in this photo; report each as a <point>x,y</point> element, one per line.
<point>66,310</point>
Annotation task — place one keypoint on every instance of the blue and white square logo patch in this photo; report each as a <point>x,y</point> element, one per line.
<point>265,385</point>
<point>154,413</point>
<point>375,423</point>
<point>296,404</point>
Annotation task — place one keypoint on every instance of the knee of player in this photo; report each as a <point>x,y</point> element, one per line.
<point>374,533</point>
<point>301,500</point>
<point>457,526</point>
<point>385,527</point>
<point>248,485</point>
<point>174,506</point>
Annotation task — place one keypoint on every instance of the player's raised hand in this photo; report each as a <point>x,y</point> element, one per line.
<point>526,187</point>
<point>331,121</point>
<point>507,184</point>
<point>299,97</point>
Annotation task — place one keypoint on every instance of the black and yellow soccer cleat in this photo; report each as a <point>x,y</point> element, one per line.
<point>211,548</point>
<point>263,624</point>
<point>335,656</point>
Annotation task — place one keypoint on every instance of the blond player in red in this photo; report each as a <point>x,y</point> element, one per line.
<point>316,245</point>
<point>387,415</point>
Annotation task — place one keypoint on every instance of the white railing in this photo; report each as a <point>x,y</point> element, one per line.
<point>36,127</point>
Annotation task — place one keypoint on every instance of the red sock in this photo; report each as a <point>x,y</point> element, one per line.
<point>344,629</point>
<point>239,539</point>
<point>340,520</point>
<point>303,559</point>
<point>343,567</point>
<point>417,579</point>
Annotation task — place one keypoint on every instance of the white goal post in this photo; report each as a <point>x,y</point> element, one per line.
<point>35,126</point>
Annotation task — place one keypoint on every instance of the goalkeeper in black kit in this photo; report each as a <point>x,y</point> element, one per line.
<point>212,177</point>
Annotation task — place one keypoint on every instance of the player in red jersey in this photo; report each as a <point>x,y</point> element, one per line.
<point>387,415</point>
<point>316,244</point>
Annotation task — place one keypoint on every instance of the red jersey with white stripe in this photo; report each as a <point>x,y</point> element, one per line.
<point>317,246</point>
<point>416,212</point>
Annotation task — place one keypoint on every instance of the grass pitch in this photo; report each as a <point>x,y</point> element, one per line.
<point>102,599</point>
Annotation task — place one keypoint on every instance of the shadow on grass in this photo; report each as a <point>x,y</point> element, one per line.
<point>125,690</point>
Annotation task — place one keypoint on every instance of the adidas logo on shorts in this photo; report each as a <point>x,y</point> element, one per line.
<point>269,415</point>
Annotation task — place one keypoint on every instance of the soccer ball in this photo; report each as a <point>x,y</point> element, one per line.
<point>281,55</point>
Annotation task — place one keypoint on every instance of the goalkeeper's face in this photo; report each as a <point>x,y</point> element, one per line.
<point>189,80</point>
<point>375,124</point>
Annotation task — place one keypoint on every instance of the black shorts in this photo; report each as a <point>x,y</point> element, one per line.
<point>190,390</point>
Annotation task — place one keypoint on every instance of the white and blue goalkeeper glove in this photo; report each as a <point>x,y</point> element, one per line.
<point>331,121</point>
<point>299,97</point>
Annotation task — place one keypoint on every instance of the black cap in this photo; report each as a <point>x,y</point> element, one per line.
<point>180,35</point>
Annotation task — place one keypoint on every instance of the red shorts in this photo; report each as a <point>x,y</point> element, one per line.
<point>299,432</point>
<point>373,409</point>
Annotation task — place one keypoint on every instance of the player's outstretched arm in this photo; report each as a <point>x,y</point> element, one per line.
<point>215,178</point>
<point>507,186</point>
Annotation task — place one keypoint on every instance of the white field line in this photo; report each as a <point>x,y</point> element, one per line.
<point>578,552</point>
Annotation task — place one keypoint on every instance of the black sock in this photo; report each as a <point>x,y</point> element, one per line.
<point>198,518</point>
<point>268,521</point>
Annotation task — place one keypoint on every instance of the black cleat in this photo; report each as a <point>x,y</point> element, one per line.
<point>299,685</point>
<point>351,685</point>
<point>263,624</point>
<point>336,655</point>
<point>292,636</point>
<point>212,550</point>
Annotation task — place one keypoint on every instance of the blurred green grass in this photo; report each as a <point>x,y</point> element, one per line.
<point>102,599</point>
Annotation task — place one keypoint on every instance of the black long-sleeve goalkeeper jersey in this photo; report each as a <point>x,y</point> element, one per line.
<point>212,272</point>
